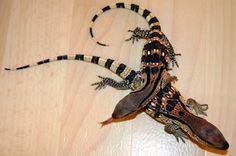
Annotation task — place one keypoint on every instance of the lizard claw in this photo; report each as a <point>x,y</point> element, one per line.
<point>136,35</point>
<point>106,122</point>
<point>179,134</point>
<point>176,131</point>
<point>174,62</point>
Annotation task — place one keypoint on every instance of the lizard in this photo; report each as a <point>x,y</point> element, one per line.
<point>147,84</point>
<point>157,108</point>
<point>157,96</point>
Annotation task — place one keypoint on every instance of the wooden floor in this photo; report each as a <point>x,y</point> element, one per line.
<point>52,109</point>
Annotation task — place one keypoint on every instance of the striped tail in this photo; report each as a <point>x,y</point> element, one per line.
<point>153,22</point>
<point>118,68</point>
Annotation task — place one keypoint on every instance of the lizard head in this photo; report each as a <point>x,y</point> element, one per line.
<point>206,133</point>
<point>199,129</point>
<point>175,109</point>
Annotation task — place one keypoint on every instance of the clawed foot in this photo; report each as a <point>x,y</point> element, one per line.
<point>176,131</point>
<point>173,60</point>
<point>179,134</point>
<point>134,35</point>
<point>138,33</point>
<point>198,108</point>
<point>106,81</point>
<point>100,85</point>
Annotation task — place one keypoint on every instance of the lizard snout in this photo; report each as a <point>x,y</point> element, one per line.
<point>206,132</point>
<point>213,136</point>
<point>210,134</point>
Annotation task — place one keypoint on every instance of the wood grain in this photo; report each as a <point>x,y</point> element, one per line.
<point>52,109</point>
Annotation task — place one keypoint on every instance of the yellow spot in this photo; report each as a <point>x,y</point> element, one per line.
<point>127,6</point>
<point>140,11</point>
<point>99,12</point>
<point>52,59</point>
<point>91,24</point>
<point>114,67</point>
<point>71,57</point>
<point>33,64</point>
<point>101,62</point>
<point>87,58</point>
<point>148,18</point>
<point>113,6</point>
<point>125,73</point>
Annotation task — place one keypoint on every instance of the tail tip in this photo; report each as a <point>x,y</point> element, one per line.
<point>102,44</point>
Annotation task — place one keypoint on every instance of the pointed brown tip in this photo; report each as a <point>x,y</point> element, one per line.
<point>102,44</point>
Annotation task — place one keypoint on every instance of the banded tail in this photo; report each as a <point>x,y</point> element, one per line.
<point>118,68</point>
<point>153,22</point>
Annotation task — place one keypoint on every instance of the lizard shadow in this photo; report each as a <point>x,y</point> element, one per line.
<point>212,150</point>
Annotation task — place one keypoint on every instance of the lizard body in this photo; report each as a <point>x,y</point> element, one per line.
<point>152,88</point>
<point>157,96</point>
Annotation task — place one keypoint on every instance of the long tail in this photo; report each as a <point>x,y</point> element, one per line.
<point>153,22</point>
<point>118,68</point>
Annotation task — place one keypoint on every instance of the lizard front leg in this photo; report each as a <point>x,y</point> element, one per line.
<point>138,33</point>
<point>106,81</point>
<point>197,107</point>
<point>125,84</point>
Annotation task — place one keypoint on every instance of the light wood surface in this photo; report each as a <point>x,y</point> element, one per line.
<point>52,109</point>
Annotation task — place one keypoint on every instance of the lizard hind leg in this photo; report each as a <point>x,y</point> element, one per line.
<point>168,79</point>
<point>176,131</point>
